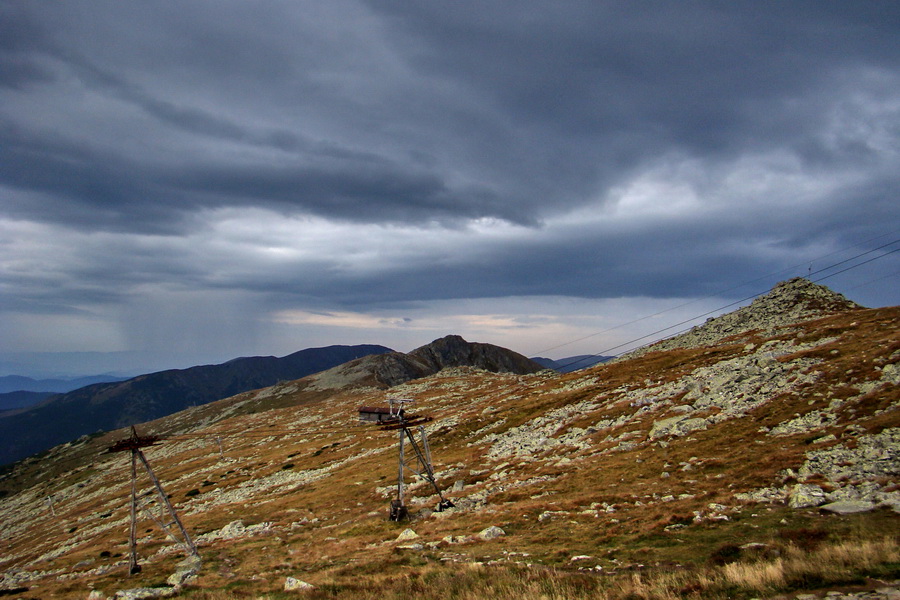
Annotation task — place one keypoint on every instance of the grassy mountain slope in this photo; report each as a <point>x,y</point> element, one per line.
<point>714,470</point>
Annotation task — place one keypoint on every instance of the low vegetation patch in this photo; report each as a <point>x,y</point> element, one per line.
<point>849,562</point>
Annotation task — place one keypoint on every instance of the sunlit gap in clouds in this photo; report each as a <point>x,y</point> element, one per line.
<point>525,324</point>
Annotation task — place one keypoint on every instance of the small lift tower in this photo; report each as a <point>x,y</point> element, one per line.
<point>134,445</point>
<point>419,462</point>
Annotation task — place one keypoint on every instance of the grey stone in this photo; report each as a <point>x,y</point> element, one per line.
<point>805,495</point>
<point>294,585</point>
<point>492,532</point>
<point>678,426</point>
<point>185,572</point>
<point>847,507</point>
<point>416,546</point>
<point>144,593</point>
<point>408,534</point>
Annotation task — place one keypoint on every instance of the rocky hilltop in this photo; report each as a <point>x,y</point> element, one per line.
<point>393,368</point>
<point>788,302</point>
<point>760,461</point>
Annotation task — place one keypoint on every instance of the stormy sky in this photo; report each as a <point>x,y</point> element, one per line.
<point>187,182</point>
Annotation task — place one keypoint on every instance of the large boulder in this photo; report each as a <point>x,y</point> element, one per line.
<point>806,495</point>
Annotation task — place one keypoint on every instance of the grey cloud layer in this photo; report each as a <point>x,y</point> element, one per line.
<point>146,118</point>
<point>413,113</point>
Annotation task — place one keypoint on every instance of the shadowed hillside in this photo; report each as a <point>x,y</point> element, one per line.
<point>105,406</point>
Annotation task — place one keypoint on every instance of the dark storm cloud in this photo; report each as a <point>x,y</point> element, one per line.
<point>688,74</point>
<point>539,108</point>
<point>357,155</point>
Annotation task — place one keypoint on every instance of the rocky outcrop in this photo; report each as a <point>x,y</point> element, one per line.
<point>395,368</point>
<point>853,476</point>
<point>787,303</point>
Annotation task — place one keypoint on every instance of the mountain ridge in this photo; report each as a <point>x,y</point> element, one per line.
<point>394,368</point>
<point>788,302</point>
<point>111,405</point>
<point>20,383</point>
<point>764,462</point>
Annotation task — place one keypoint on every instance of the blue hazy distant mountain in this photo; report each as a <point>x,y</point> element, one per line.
<point>18,383</point>
<point>21,399</point>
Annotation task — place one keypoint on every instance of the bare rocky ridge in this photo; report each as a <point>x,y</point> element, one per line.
<point>788,302</point>
<point>776,427</point>
<point>394,368</point>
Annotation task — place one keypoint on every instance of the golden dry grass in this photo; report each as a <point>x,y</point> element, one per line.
<point>735,580</point>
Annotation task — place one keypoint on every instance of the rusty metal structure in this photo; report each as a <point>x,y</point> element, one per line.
<point>134,444</point>
<point>418,461</point>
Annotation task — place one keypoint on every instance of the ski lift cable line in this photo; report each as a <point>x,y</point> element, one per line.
<point>720,292</point>
<point>837,264</point>
<point>267,432</point>
<point>664,329</point>
<point>258,434</point>
<point>857,265</point>
<point>877,279</point>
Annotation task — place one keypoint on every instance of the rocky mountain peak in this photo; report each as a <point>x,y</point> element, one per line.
<point>395,368</point>
<point>454,351</point>
<point>788,302</point>
<point>802,298</point>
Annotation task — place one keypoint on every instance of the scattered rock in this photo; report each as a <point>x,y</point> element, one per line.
<point>875,455</point>
<point>455,539</point>
<point>416,546</point>
<point>408,534</point>
<point>678,426</point>
<point>848,507</point>
<point>492,532</point>
<point>185,571</point>
<point>144,593</point>
<point>805,495</point>
<point>295,585</point>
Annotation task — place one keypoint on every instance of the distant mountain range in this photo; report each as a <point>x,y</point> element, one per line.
<point>572,363</point>
<point>18,383</point>
<point>104,406</point>
<point>21,399</point>
<point>18,392</point>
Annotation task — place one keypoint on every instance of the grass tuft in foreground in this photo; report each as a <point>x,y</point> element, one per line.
<point>849,562</point>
